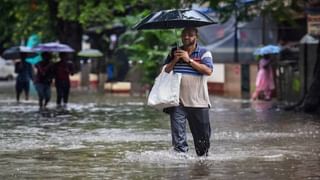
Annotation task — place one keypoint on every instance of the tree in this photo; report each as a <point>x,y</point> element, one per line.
<point>66,21</point>
<point>148,48</point>
<point>61,20</point>
<point>6,28</point>
<point>20,19</point>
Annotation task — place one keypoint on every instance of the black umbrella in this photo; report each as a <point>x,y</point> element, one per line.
<point>15,52</point>
<point>174,18</point>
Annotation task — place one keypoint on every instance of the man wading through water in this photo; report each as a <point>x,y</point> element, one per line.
<point>195,63</point>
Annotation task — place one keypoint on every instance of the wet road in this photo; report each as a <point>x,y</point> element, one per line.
<point>119,137</point>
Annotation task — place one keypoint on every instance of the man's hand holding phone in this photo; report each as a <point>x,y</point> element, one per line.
<point>181,55</point>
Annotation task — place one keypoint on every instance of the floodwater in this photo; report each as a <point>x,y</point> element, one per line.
<point>119,137</point>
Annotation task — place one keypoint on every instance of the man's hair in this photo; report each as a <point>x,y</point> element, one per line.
<point>191,29</point>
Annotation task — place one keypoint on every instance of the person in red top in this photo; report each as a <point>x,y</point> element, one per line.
<point>43,79</point>
<point>62,70</point>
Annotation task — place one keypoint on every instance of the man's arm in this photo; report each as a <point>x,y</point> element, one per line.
<point>170,65</point>
<point>171,61</point>
<point>202,68</point>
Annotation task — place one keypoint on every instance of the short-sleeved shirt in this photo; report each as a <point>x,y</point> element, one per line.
<point>193,87</point>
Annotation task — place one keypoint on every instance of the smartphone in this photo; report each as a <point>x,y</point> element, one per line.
<point>178,45</point>
<point>174,48</point>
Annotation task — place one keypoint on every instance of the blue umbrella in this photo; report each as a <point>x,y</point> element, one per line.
<point>269,49</point>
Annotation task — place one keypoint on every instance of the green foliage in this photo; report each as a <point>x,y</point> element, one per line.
<point>69,10</point>
<point>21,18</point>
<point>6,28</point>
<point>149,47</point>
<point>92,13</point>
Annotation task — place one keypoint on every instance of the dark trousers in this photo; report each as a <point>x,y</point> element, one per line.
<point>63,90</point>
<point>44,94</point>
<point>22,86</point>
<point>198,119</point>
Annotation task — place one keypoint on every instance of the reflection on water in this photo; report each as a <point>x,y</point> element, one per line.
<point>112,137</point>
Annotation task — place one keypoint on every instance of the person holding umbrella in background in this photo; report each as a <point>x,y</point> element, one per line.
<point>46,71</point>
<point>265,80</point>
<point>23,68</point>
<point>43,80</point>
<point>24,72</point>
<point>62,70</point>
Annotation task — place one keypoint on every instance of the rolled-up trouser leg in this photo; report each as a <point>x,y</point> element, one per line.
<point>178,129</point>
<point>47,94</point>
<point>199,123</point>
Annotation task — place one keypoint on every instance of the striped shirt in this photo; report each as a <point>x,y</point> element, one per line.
<point>193,87</point>
<point>199,55</point>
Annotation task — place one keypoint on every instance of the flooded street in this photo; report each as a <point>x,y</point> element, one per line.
<point>119,137</point>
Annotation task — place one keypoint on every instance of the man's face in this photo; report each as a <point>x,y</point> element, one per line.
<point>188,37</point>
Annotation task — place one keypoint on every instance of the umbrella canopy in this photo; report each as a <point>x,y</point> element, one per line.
<point>269,49</point>
<point>15,52</point>
<point>90,53</point>
<point>174,18</point>
<point>53,47</point>
<point>33,40</point>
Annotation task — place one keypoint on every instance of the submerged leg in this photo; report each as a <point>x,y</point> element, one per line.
<point>178,129</point>
<point>199,123</point>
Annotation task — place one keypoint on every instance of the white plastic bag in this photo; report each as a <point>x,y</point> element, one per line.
<point>165,91</point>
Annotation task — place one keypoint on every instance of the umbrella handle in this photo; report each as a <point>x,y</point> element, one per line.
<point>180,15</point>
